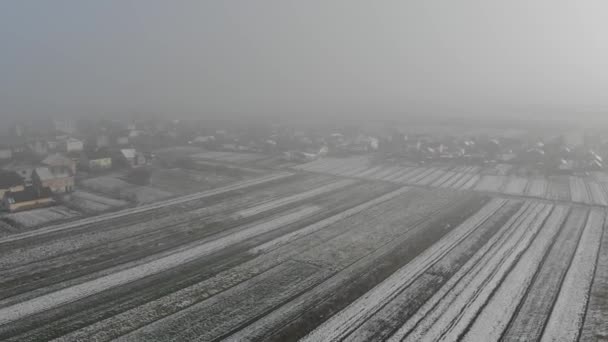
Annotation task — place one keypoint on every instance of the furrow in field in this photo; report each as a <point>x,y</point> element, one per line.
<point>429,306</point>
<point>295,319</point>
<point>449,180</point>
<point>214,317</point>
<point>287,238</point>
<point>537,187</point>
<point>497,312</point>
<point>595,327</point>
<point>392,316</point>
<point>135,317</point>
<point>448,305</point>
<point>559,189</point>
<point>490,183</point>
<point>516,186</point>
<point>85,264</point>
<point>366,174</point>
<point>416,178</point>
<point>17,311</point>
<point>579,190</point>
<point>431,177</point>
<point>529,321</point>
<point>293,198</point>
<point>470,183</point>
<point>598,195</point>
<point>567,316</point>
<point>348,319</point>
<point>406,177</point>
<point>397,171</point>
<point>490,280</point>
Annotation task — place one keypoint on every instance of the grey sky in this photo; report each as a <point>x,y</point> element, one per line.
<point>521,57</point>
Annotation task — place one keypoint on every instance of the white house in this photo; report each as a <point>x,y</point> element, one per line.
<point>73,145</point>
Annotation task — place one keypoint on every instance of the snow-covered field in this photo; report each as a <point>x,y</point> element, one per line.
<point>592,189</point>
<point>89,202</point>
<point>38,217</point>
<point>314,257</point>
<point>120,189</point>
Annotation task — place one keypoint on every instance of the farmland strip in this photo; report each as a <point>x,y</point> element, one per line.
<point>497,312</point>
<point>449,305</point>
<point>245,213</point>
<point>595,327</point>
<point>529,321</point>
<point>566,319</point>
<point>287,238</point>
<point>348,319</point>
<point>430,304</point>
<point>73,293</point>
<point>145,208</point>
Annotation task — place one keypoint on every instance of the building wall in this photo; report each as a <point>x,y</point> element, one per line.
<point>39,203</point>
<point>59,185</point>
<point>74,146</point>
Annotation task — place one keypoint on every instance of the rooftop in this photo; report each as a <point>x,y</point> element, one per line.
<point>9,179</point>
<point>30,193</point>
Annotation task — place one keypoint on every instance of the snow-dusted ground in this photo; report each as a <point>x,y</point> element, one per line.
<point>70,294</point>
<point>38,217</point>
<point>589,190</point>
<point>90,202</point>
<point>342,324</point>
<point>568,312</point>
<point>496,314</point>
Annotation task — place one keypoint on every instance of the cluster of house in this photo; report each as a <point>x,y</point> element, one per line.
<point>34,171</point>
<point>33,187</point>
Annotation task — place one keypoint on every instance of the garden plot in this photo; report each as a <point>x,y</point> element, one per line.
<point>568,313</point>
<point>438,298</point>
<point>490,183</point>
<point>559,189</point>
<point>324,230</point>
<point>347,165</point>
<point>516,186</point>
<point>578,190</point>
<point>406,177</point>
<point>421,175</point>
<point>37,217</point>
<point>598,195</point>
<point>118,188</point>
<point>596,319</point>
<point>294,319</point>
<point>66,295</point>
<point>213,318</point>
<point>390,317</point>
<point>437,173</point>
<point>537,187</point>
<point>94,203</point>
<point>343,323</point>
<point>496,314</point>
<point>387,171</point>
<point>529,321</point>
<point>399,174</point>
<point>456,309</point>
<point>182,181</point>
<point>231,157</point>
<point>274,204</point>
<point>439,182</point>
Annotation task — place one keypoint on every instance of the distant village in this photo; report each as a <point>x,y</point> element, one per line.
<point>43,161</point>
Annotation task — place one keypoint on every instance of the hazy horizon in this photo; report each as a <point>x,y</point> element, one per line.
<point>391,59</point>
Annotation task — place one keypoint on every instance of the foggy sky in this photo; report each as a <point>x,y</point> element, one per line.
<point>526,58</point>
